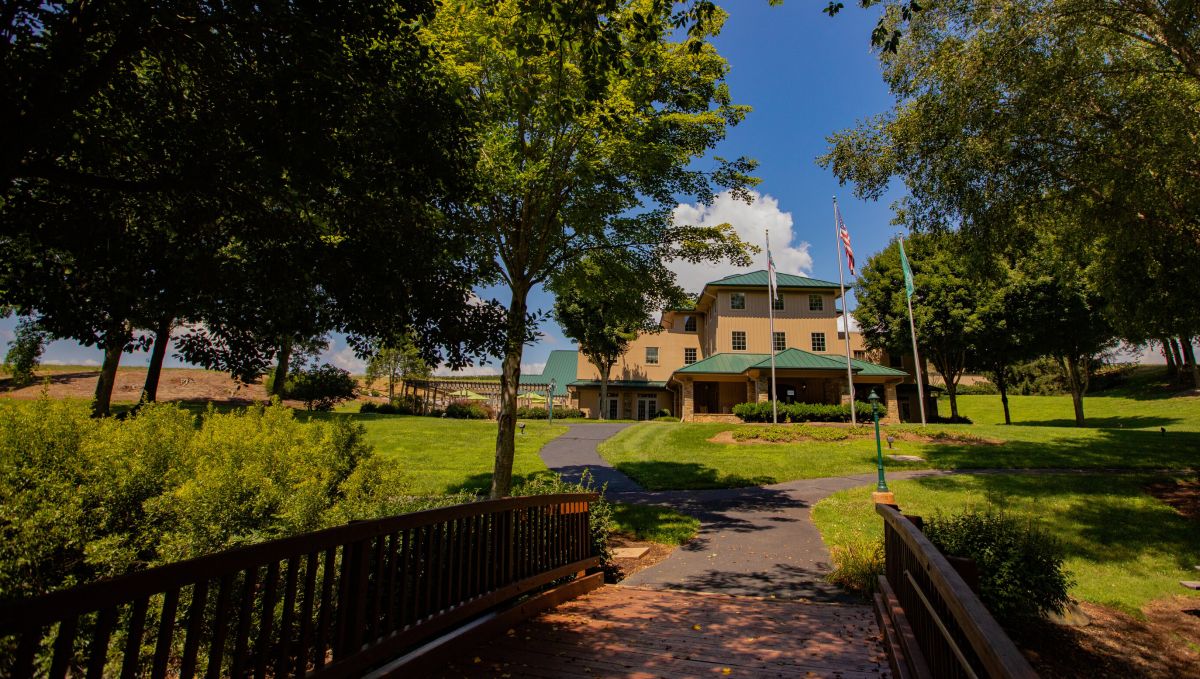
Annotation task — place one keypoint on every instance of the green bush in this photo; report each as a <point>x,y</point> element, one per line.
<point>82,499</point>
<point>984,388</point>
<point>857,567</point>
<point>662,413</point>
<point>1021,574</point>
<point>782,434</point>
<point>467,410</point>
<point>539,412</point>
<point>322,387</point>
<point>800,412</point>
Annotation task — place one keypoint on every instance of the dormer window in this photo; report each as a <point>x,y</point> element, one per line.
<point>737,300</point>
<point>816,303</point>
<point>689,324</point>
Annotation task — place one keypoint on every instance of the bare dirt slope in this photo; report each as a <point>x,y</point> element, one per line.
<point>176,384</point>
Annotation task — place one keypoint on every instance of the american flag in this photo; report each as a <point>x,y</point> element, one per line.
<point>772,280</point>
<point>845,236</point>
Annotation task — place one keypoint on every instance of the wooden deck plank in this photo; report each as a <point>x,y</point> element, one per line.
<point>639,633</point>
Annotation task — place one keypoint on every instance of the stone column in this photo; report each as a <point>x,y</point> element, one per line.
<point>762,388</point>
<point>893,407</point>
<point>687,389</point>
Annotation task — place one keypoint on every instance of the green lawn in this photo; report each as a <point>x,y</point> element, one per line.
<point>654,523</point>
<point>1124,433</point>
<point>445,455</point>
<point>1124,548</point>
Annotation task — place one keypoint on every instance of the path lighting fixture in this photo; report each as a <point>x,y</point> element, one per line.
<point>881,495</point>
<point>521,426</point>
<point>891,439</point>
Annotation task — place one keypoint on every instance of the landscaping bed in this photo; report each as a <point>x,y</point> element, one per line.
<point>789,433</point>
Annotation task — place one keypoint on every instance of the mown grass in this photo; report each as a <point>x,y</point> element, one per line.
<point>1123,547</point>
<point>653,523</point>
<point>446,455</point>
<point>1125,435</point>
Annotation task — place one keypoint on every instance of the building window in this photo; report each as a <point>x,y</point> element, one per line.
<point>737,300</point>
<point>816,303</point>
<point>860,355</point>
<point>689,356</point>
<point>818,341</point>
<point>651,355</point>
<point>739,340</point>
<point>896,360</point>
<point>778,341</point>
<point>689,324</point>
<point>777,303</point>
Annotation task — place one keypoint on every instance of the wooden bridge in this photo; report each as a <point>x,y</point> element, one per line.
<point>504,588</point>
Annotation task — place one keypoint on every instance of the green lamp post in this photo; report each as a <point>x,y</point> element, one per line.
<point>881,495</point>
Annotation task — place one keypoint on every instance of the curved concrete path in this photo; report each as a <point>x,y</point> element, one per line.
<point>757,541</point>
<point>575,451</point>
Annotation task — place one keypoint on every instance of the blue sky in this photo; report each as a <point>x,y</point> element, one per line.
<point>806,75</point>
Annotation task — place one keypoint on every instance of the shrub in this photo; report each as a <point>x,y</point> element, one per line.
<point>983,388</point>
<point>857,567</point>
<point>85,499</point>
<point>368,407</point>
<point>322,387</point>
<point>539,412</point>
<point>800,412</point>
<point>1021,574</point>
<point>662,413</point>
<point>467,410</point>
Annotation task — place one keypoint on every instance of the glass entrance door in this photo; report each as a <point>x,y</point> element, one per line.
<point>647,404</point>
<point>612,407</point>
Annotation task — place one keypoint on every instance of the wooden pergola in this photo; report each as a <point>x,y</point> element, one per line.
<point>432,392</point>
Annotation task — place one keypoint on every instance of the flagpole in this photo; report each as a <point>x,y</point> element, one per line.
<point>916,357</point>
<point>771,315</point>
<point>837,236</point>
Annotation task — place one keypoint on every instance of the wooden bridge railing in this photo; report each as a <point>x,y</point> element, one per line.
<point>934,624</point>
<point>334,602</point>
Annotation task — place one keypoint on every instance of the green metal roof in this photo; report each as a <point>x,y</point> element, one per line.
<point>865,369</point>
<point>724,363</point>
<point>798,359</point>
<point>758,279</point>
<point>634,384</point>
<point>561,366</point>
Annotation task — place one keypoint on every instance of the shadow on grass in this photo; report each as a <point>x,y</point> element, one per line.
<point>1107,519</point>
<point>1108,448</point>
<point>482,483</point>
<point>663,475</point>
<point>1115,422</point>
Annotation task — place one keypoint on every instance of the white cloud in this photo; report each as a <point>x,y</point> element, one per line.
<point>751,222</point>
<point>79,361</point>
<point>853,324</point>
<point>445,371</point>
<point>532,368</point>
<point>346,360</point>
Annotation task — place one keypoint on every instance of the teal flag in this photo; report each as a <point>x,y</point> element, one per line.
<point>908,282</point>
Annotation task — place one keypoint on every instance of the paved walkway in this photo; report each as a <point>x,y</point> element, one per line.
<point>575,451</point>
<point>620,631</point>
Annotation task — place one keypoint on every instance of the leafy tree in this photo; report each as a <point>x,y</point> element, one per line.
<point>1007,113</point>
<point>25,351</point>
<point>592,116</point>
<point>604,301</point>
<point>395,363</point>
<point>945,305</point>
<point>321,387</point>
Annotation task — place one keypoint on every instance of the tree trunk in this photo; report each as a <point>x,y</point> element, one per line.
<point>510,375</point>
<point>1077,386</point>
<point>279,385</point>
<point>604,372</point>
<point>1175,352</point>
<point>1002,385</point>
<point>162,339</point>
<point>1189,357</point>
<point>391,387</point>
<point>1172,366</point>
<point>113,348</point>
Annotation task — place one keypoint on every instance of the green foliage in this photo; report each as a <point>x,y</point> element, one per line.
<point>1021,573</point>
<point>857,566</point>
<point>467,410</point>
<point>981,388</point>
<point>760,411</point>
<point>539,412</point>
<point>25,352</point>
<point>393,364</point>
<point>84,499</point>
<point>321,387</point>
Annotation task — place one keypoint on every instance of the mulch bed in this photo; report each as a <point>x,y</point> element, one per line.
<point>627,567</point>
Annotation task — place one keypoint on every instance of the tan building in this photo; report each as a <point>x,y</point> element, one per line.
<point>708,359</point>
